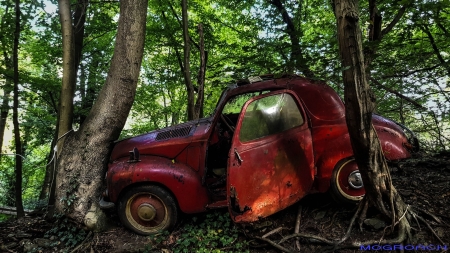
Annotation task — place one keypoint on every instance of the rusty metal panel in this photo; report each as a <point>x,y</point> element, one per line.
<point>270,173</point>
<point>182,181</point>
<point>194,156</point>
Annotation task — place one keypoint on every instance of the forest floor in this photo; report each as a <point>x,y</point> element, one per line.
<point>423,182</point>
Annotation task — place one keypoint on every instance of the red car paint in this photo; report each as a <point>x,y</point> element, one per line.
<point>263,175</point>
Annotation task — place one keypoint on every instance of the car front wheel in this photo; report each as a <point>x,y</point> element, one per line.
<point>346,183</point>
<point>148,209</point>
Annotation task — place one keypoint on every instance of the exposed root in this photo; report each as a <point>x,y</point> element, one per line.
<point>431,229</point>
<point>393,225</point>
<point>435,218</point>
<point>363,215</point>
<point>362,208</point>
<point>297,226</point>
<point>402,222</point>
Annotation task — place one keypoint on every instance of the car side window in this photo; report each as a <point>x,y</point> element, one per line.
<point>270,115</point>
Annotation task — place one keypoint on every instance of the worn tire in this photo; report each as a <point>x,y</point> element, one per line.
<point>342,189</point>
<point>148,209</point>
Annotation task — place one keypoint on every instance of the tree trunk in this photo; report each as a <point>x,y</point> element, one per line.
<point>297,59</point>
<point>84,157</point>
<point>72,40</point>
<point>48,177</point>
<point>187,68</point>
<point>198,111</point>
<point>359,105</point>
<point>79,18</point>
<point>7,88</point>
<point>65,112</point>
<point>17,140</point>
<point>4,111</point>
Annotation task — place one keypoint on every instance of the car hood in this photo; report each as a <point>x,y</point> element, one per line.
<point>167,142</point>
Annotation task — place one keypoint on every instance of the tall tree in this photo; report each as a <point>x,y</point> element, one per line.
<point>359,106</point>
<point>8,87</point>
<point>186,62</point>
<point>17,140</point>
<point>72,41</point>
<point>297,59</point>
<point>84,156</point>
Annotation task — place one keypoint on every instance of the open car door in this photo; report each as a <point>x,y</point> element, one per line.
<point>271,163</point>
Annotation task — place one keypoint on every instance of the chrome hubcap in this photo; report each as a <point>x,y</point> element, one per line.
<point>146,212</point>
<point>355,180</point>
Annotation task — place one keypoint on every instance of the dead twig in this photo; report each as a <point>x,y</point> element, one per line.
<point>332,220</point>
<point>297,226</point>
<point>432,216</point>
<point>431,229</point>
<point>274,244</point>
<point>272,232</point>
<point>314,237</point>
<point>82,243</point>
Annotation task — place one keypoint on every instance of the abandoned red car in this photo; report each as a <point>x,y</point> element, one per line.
<point>270,142</point>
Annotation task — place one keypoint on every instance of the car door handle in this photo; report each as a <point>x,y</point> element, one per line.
<point>238,156</point>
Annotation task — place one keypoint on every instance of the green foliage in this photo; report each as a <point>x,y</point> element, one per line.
<point>33,174</point>
<point>4,217</point>
<point>213,233</point>
<point>66,231</point>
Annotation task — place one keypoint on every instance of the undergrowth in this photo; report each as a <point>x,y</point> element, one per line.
<point>66,232</point>
<point>215,232</point>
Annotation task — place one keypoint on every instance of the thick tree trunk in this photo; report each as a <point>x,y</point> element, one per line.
<point>83,160</point>
<point>72,40</point>
<point>187,68</point>
<point>359,105</point>
<point>17,140</point>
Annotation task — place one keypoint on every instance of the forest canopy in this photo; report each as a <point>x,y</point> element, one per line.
<point>409,73</point>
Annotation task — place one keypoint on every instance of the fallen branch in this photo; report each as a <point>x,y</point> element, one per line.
<point>314,237</point>
<point>431,229</point>
<point>272,232</point>
<point>297,226</point>
<point>274,244</point>
<point>432,216</point>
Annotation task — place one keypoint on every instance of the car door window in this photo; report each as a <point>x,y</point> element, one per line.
<point>270,115</point>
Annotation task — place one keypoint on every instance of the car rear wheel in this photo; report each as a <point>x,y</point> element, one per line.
<point>148,209</point>
<point>346,183</point>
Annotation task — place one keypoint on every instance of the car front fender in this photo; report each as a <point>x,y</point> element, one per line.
<point>182,181</point>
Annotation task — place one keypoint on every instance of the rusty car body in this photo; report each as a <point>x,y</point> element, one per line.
<point>269,142</point>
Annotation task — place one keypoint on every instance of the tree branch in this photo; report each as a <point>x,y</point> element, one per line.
<point>397,18</point>
<point>425,29</point>
<point>398,94</point>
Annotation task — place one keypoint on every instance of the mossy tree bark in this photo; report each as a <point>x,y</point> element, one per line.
<point>84,156</point>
